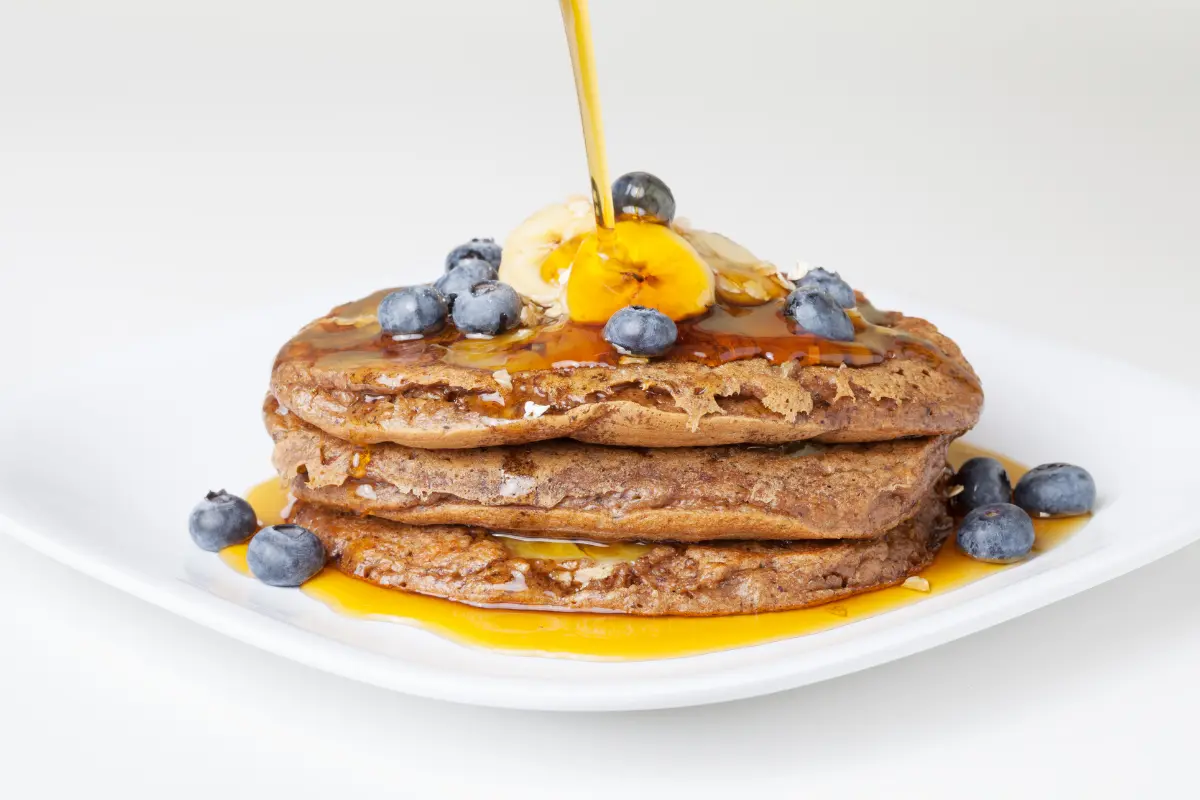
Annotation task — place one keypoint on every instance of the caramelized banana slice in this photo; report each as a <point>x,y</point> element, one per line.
<point>644,264</point>
<point>540,252</point>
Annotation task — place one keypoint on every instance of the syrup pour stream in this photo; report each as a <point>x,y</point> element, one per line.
<point>578,26</point>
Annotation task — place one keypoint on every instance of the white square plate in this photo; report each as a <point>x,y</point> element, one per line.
<point>102,463</point>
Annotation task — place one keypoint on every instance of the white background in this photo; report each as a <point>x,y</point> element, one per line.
<point>1036,163</point>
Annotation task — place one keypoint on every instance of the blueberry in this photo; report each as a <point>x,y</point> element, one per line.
<point>833,285</point>
<point>999,532</point>
<point>285,555</point>
<point>414,310</point>
<point>488,308</point>
<point>466,274</point>
<point>818,313</point>
<point>221,519</point>
<point>483,249</point>
<point>984,482</point>
<point>640,331</point>
<point>644,196</point>
<point>1056,490</point>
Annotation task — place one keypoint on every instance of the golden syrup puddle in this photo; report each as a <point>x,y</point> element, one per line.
<point>623,637</point>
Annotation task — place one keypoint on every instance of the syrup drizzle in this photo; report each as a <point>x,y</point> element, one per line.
<point>622,637</point>
<point>578,26</point>
<point>349,339</point>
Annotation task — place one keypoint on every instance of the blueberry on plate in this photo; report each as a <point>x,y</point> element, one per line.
<point>640,195</point>
<point>285,555</point>
<point>487,308</point>
<point>483,249</point>
<point>816,311</point>
<point>832,283</point>
<point>640,331</point>
<point>413,311</point>
<point>1001,533</point>
<point>220,520</point>
<point>1056,490</point>
<point>984,482</point>
<point>467,273</point>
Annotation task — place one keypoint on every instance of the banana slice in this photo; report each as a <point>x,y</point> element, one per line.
<point>645,264</point>
<point>743,279</point>
<point>526,251</point>
<point>539,253</point>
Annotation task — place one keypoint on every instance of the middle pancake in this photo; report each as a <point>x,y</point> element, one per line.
<point>784,492</point>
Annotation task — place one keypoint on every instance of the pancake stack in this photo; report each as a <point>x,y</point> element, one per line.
<point>516,472</point>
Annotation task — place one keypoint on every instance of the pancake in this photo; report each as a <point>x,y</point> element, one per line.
<point>346,378</point>
<point>471,565</point>
<point>797,491</point>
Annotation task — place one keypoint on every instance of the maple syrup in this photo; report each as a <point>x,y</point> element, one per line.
<point>620,636</point>
<point>578,27</point>
<point>349,340</point>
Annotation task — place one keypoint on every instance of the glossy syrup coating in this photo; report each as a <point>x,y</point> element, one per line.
<point>350,335</point>
<point>735,374</point>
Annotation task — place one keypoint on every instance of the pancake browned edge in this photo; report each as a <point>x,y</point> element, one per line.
<point>438,405</point>
<point>470,565</point>
<point>797,491</point>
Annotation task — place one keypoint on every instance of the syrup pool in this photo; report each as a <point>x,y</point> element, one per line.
<point>623,637</point>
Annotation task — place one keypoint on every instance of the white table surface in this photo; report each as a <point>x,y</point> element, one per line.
<point>1035,163</point>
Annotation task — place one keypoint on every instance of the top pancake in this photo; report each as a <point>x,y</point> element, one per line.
<point>342,375</point>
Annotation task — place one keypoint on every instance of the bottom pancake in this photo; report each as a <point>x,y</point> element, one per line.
<point>472,565</point>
